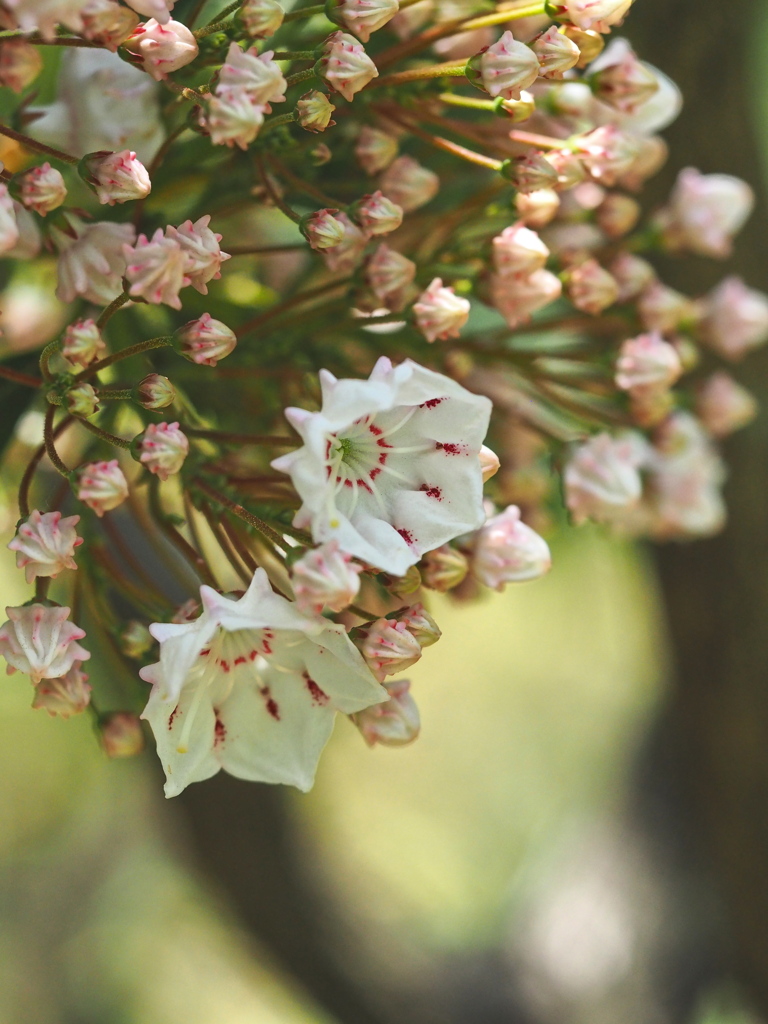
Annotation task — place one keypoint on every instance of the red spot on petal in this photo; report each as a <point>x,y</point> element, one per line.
<point>383,459</point>
<point>172,716</point>
<point>406,535</point>
<point>240,660</point>
<point>375,430</point>
<point>431,403</point>
<point>318,696</point>
<point>224,665</point>
<point>432,492</point>
<point>375,471</point>
<point>266,646</point>
<point>449,449</point>
<point>219,731</point>
<point>383,444</point>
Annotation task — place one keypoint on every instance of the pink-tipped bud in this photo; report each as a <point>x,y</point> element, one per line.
<point>42,189</point>
<point>108,26</point>
<point>508,551</point>
<point>154,392</point>
<point>40,641</point>
<point>121,734</point>
<point>156,269</point>
<point>82,400</point>
<point>618,214</point>
<point>647,363</point>
<point>409,184</point>
<point>116,177</point>
<point>518,250</point>
<point>64,696</point>
<point>362,17</point>
<point>632,274</point>
<point>651,156</point>
<point>601,478</point>
<point>233,118</point>
<point>45,544</point>
<point>82,343</point>
<point>598,15</point>
<point>608,153</point>
<point>735,319</point>
<point>530,173</point>
<point>20,64</point>
<point>537,209</point>
<point>162,48</point>
<point>325,577</point>
<point>705,211</point>
<point>489,462</point>
<point>261,18</point>
<point>101,485</point>
<point>323,229</point>
<point>517,298</point>
<point>345,65</point>
<point>347,255</point>
<point>591,288</point>
<point>504,68</point>
<point>555,52</point>
<point>388,647</point>
<point>724,406</point>
<point>158,9</point>
<point>569,168</point>
<point>376,214</point>
<point>625,84</point>
<point>201,247</point>
<point>393,723</point>
<point>664,309</point>
<point>374,149</point>
<point>443,569</point>
<point>162,448</point>
<point>389,275</point>
<point>420,624</point>
<point>440,313</point>
<point>255,73</point>
<point>313,111</point>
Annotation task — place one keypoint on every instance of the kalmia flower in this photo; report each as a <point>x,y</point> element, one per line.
<point>531,173</point>
<point>9,228</point>
<point>81,400</point>
<point>375,149</point>
<point>108,25</point>
<point>602,479</point>
<point>42,189</point>
<point>202,249</point>
<point>45,544</point>
<point>325,577</point>
<point>82,343</point>
<point>517,297</point>
<point>162,449</point>
<point>419,624</point>
<point>376,214</point>
<point>394,723</point>
<point>444,568</point>
<point>388,647</point>
<point>504,68</point>
<point>92,260</point>
<point>20,64</point>
<point>101,485</point>
<point>439,312</point>
<point>685,480</point>
<point>507,551</point>
<point>233,119</point>
<point>591,288</point>
<point>608,153</point>
<point>323,229</point>
<point>363,16</point>
<point>261,18</point>
<point>314,110</point>
<point>255,73</point>
<point>116,177</point>
<point>389,275</point>
<point>205,341</point>
<point>555,52</point>
<point>154,392</point>
<point>251,686</point>
<point>346,255</point>
<point>157,269</point>
<point>625,83</point>
<point>389,466</point>
<point>518,250</point>
<point>724,406</point>
<point>157,9</point>
<point>40,641</point>
<point>735,319</point>
<point>65,695</point>
<point>647,363</point>
<point>705,211</point>
<point>409,184</point>
<point>163,48</point>
<point>345,65</point>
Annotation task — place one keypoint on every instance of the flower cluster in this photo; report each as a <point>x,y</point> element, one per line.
<point>461,262</point>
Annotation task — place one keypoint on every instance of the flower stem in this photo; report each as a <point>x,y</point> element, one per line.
<point>45,358</point>
<point>258,250</point>
<point>304,186</point>
<point>48,440</point>
<point>275,122</point>
<point>504,15</point>
<point>118,442</point>
<point>242,513</point>
<point>294,55</point>
<point>34,462</point>
<point>225,435</point>
<point>219,21</point>
<point>447,70</point>
<point>539,141</point>
<point>304,12</point>
<point>38,40</point>
<point>115,394</point>
<point>300,76</point>
<point>126,353</point>
<point>276,199</point>
<point>38,147</point>
<point>447,146</point>
<point>112,308</point>
<point>196,561</point>
<point>20,378</point>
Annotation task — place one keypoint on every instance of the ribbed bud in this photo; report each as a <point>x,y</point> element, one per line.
<point>154,392</point>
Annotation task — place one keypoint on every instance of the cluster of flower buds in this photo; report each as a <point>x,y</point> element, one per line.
<point>461,258</point>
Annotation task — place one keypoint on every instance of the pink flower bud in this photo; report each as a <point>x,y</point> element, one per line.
<point>40,641</point>
<point>632,273</point>
<point>92,263</point>
<point>254,72</point>
<point>42,189</point>
<point>109,26</point>
<point>325,577</point>
<point>261,18</point>
<point>66,695</point>
<point>420,625</point>
<point>157,9</point>
<point>618,214</point>
<point>121,734</point>
<point>82,400</point>
<point>735,319</point>
<point>531,173</point>
<point>157,269</point>
<point>376,214</point>
<point>162,48</point>
<point>346,256</point>
<point>362,16</point>
<point>504,68</point>
<point>162,449</point>
<point>705,211</point>
<point>724,406</point>
<point>508,551</point>
<point>591,288</point>
<point>537,209</point>
<point>388,648</point>
<point>440,313</point>
<point>320,154</point>
<point>154,392</point>
<point>599,15</point>
<point>555,53</point>
<point>489,462</point>
<point>323,229</point>
<point>389,275</point>
<point>45,544</point>
<point>374,149</point>
<point>516,298</point>
<point>651,156</point>
<point>518,250</point>
<point>608,153</point>
<point>20,64</point>
<point>116,177</point>
<point>647,363</point>
<point>395,722</point>
<point>686,478</point>
<point>345,65</point>
<point>601,478</point>
<point>9,228</point>
<point>313,111</point>
<point>664,309</point>
<point>233,118</point>
<point>82,343</point>
<point>569,168</point>
<point>626,83</point>
<point>444,568</point>
<point>101,485</point>
<point>202,249</point>
<point>409,184</point>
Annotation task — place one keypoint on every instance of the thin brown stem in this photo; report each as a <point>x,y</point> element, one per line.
<point>446,145</point>
<point>272,193</point>
<point>242,513</point>
<point>196,561</point>
<point>105,435</point>
<point>224,543</point>
<point>38,147</point>
<point>50,447</point>
<point>226,436</point>
<point>34,462</point>
<point>126,353</point>
<point>20,378</point>
<point>450,69</point>
<point>110,310</point>
<point>304,186</point>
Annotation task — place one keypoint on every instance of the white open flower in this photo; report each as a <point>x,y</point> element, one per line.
<point>251,686</point>
<point>390,465</point>
<point>92,263</point>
